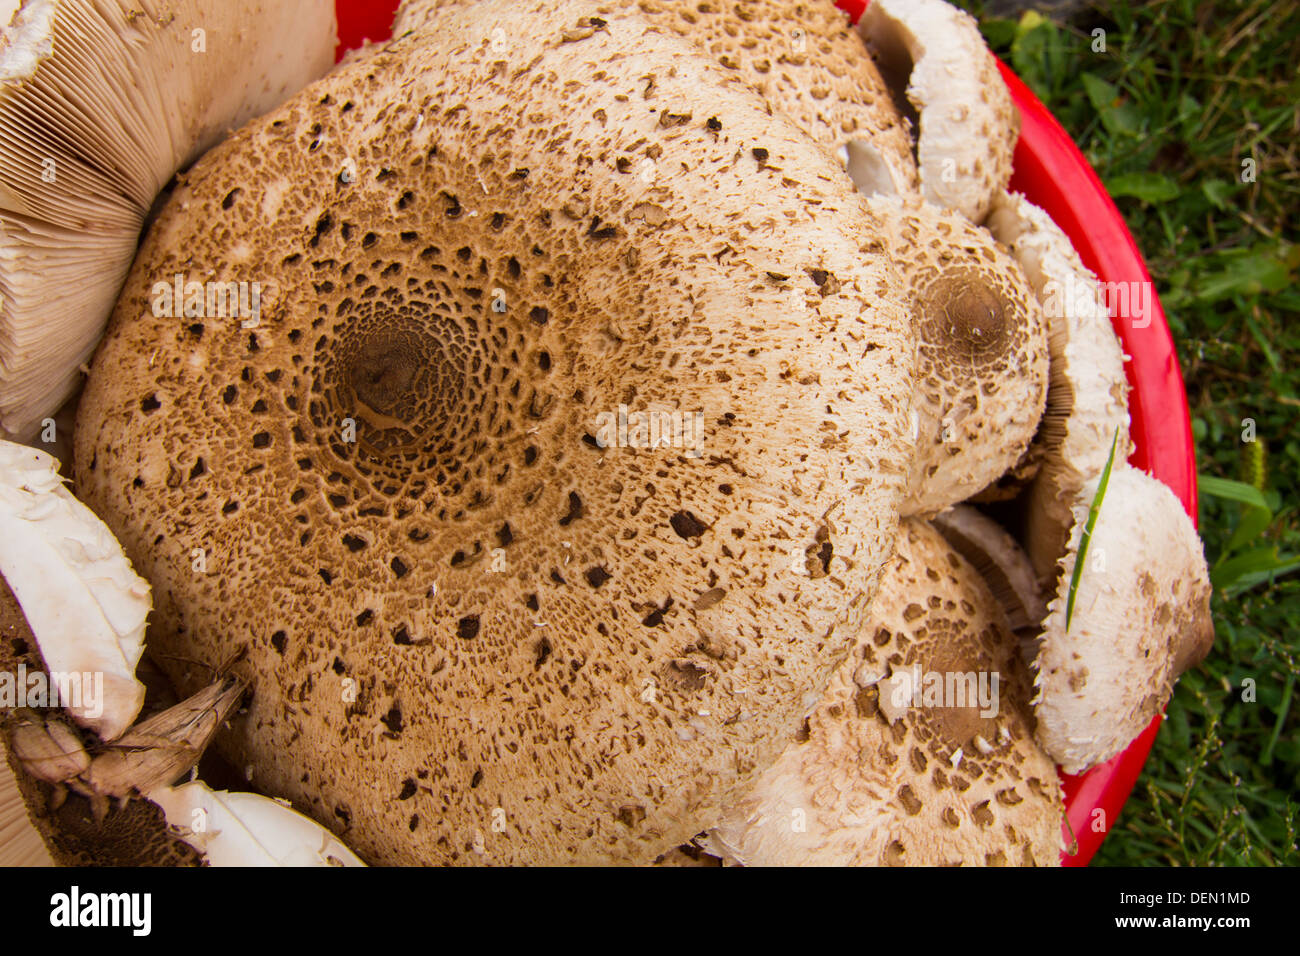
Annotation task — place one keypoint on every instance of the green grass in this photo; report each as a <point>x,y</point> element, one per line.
<point>1184,92</point>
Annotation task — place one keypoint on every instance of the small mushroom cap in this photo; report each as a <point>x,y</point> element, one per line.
<point>877,777</point>
<point>469,626</point>
<point>983,367</point>
<point>968,124</point>
<point>100,103</point>
<point>1141,618</point>
<point>1000,561</point>
<point>1087,401</point>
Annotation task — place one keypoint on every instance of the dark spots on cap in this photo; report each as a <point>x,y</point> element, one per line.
<point>393,719</point>
<point>467,627</point>
<point>687,525</point>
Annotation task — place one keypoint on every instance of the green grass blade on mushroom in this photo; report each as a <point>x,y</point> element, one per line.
<point>1087,399</point>
<point>1085,539</point>
<point>1124,626</point>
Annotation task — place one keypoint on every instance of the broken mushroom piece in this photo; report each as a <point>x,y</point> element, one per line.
<point>921,751</point>
<point>802,56</point>
<point>983,367</point>
<point>1140,618</point>
<point>935,59</point>
<point>85,604</point>
<point>1087,401</point>
<point>462,565</point>
<point>247,829</point>
<point>100,103</point>
<point>1003,565</point>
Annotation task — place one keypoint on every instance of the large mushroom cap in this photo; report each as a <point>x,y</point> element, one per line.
<point>968,125</point>
<point>982,380</point>
<point>1087,401</point>
<point>474,634</point>
<point>802,56</point>
<point>101,101</point>
<point>889,770</point>
<point>1141,617</point>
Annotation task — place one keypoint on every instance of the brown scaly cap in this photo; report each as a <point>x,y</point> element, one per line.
<point>982,382</point>
<point>474,634</point>
<point>1141,618</point>
<point>877,779</point>
<point>804,58</point>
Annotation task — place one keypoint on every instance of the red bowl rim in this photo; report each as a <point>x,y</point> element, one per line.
<point>1054,175</point>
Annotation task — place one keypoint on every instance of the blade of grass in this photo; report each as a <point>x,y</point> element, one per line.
<point>1093,511</point>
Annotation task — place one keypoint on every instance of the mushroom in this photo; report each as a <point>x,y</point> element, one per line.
<point>100,103</point>
<point>1003,565</point>
<point>1087,402</point>
<point>982,382</point>
<point>968,125</point>
<point>1139,618</point>
<point>248,829</point>
<point>486,622</point>
<point>921,751</point>
<point>86,606</point>
<point>803,56</point>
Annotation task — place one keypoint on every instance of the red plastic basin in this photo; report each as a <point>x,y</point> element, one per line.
<point>1053,174</point>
